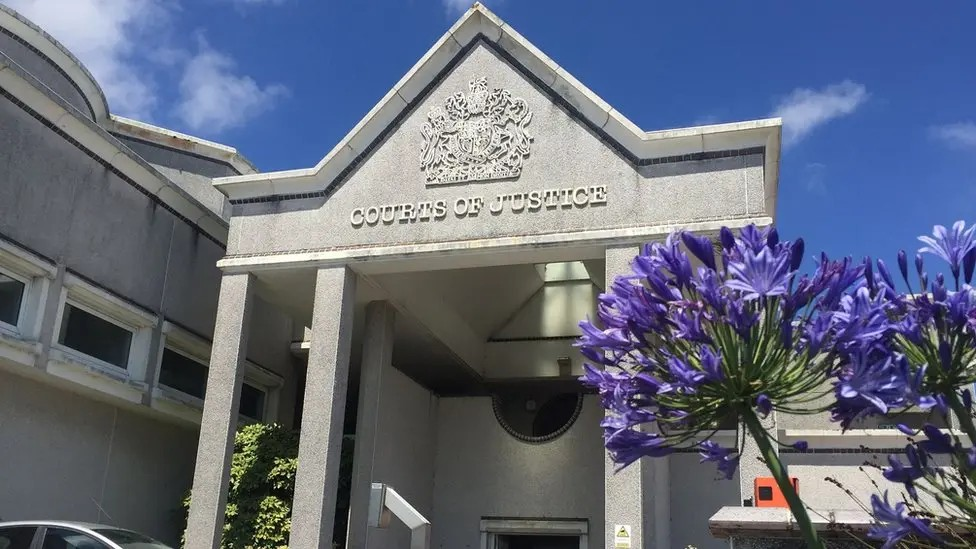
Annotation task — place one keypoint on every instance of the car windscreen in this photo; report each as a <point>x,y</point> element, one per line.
<point>130,540</point>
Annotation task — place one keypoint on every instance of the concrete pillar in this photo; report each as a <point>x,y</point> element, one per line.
<point>377,359</point>
<point>751,463</point>
<point>317,480</point>
<point>220,412</point>
<point>639,496</point>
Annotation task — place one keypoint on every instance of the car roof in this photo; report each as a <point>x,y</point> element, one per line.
<point>62,523</point>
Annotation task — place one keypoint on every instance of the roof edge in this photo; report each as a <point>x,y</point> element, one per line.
<point>479,23</point>
<point>52,110</point>
<point>181,142</point>
<point>49,47</point>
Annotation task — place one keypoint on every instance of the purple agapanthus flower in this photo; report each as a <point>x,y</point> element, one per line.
<point>895,524</point>
<point>670,354</point>
<point>726,461</point>
<point>951,245</point>
<point>760,274</point>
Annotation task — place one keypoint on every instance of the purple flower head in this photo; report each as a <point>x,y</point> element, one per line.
<point>894,523</point>
<point>606,382</point>
<point>903,264</point>
<point>689,326</point>
<point>727,239</point>
<point>711,364</point>
<point>885,274</point>
<point>741,318</point>
<point>951,245</point>
<point>772,237</point>
<point>968,264</point>
<point>701,247</point>
<point>710,451</point>
<point>872,383</point>
<point>796,254</point>
<point>764,405</point>
<point>752,238</point>
<point>626,446</point>
<point>760,274</point>
<point>612,338</point>
<point>685,376</point>
<point>800,445</point>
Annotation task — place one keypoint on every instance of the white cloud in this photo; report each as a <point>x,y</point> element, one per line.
<point>814,177</point>
<point>131,49</point>
<point>213,96</point>
<point>804,109</point>
<point>109,36</point>
<point>961,135</point>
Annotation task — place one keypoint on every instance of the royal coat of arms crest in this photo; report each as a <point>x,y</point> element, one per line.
<point>476,137</point>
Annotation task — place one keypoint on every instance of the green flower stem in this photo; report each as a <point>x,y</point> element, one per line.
<point>782,479</point>
<point>962,414</point>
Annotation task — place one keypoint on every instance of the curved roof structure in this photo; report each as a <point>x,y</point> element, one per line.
<point>53,52</point>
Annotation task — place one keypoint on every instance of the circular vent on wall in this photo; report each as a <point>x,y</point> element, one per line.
<point>536,414</point>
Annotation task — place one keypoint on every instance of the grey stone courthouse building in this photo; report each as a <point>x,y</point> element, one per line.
<point>418,288</point>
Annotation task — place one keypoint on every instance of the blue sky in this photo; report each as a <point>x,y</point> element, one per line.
<point>877,97</point>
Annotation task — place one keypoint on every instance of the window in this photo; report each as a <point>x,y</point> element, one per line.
<point>16,537</point>
<point>130,540</point>
<point>95,336</point>
<point>183,373</point>
<point>11,299</point>
<point>252,402</point>
<point>62,538</point>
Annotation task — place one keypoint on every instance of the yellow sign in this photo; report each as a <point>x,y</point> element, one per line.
<point>621,536</point>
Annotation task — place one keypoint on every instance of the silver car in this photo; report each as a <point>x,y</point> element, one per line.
<point>71,535</point>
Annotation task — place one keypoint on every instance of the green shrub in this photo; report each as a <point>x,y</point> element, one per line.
<point>262,485</point>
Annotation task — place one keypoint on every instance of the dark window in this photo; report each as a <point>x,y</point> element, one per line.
<point>183,374</point>
<point>252,402</point>
<point>94,336</point>
<point>130,540</point>
<point>765,493</point>
<point>536,413</point>
<point>11,296</point>
<point>62,538</point>
<point>17,537</point>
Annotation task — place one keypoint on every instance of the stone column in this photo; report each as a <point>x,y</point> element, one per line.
<point>220,412</point>
<point>319,449</point>
<point>751,463</point>
<point>639,496</point>
<point>377,359</point>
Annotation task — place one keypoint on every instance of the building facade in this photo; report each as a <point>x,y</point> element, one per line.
<point>418,288</point>
<point>109,236</point>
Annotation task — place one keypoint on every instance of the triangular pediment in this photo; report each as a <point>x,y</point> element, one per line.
<point>480,33</point>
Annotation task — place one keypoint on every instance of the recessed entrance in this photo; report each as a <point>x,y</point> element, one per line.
<point>534,534</point>
<point>538,542</point>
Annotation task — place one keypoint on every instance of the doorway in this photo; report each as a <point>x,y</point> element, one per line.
<point>538,542</point>
<point>508,533</point>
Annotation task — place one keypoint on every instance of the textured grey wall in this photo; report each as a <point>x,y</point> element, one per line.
<point>696,495</point>
<point>483,471</point>
<point>564,154</point>
<point>65,455</point>
<point>405,450</point>
<point>177,159</point>
<point>44,71</point>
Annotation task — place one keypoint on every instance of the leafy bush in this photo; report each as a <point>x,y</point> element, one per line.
<point>262,485</point>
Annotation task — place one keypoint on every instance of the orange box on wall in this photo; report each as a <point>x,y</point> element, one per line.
<point>767,494</point>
